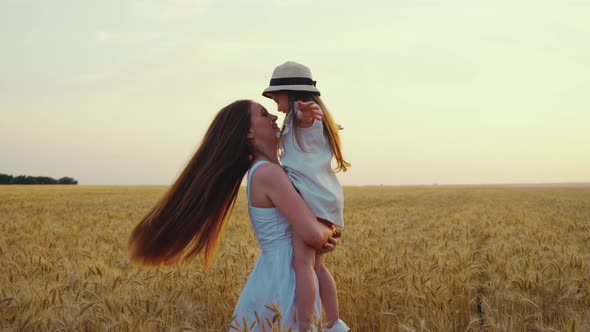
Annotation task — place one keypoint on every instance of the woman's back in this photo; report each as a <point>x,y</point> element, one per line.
<point>270,226</point>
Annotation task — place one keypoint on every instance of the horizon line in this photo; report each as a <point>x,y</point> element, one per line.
<point>515,184</point>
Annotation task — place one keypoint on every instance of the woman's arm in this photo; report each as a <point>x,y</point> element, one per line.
<point>279,189</point>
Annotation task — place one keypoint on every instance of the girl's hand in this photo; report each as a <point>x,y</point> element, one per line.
<point>309,111</point>
<point>332,242</point>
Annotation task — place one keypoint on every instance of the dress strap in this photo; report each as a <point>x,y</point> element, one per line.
<point>250,172</point>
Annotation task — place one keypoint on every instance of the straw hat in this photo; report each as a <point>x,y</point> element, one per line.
<point>291,76</point>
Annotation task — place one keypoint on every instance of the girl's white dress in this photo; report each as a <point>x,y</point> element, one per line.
<point>272,281</point>
<point>310,169</point>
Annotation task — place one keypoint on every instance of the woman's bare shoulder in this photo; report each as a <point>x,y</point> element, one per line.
<point>268,172</point>
<point>271,178</point>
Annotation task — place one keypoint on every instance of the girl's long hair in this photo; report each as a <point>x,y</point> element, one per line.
<point>191,215</point>
<point>330,128</point>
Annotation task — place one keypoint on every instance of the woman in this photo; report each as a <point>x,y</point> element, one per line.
<point>190,216</point>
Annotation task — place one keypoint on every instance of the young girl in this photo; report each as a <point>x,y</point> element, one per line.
<point>309,141</point>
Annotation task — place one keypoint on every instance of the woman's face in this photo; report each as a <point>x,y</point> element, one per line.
<point>263,125</point>
<point>282,100</point>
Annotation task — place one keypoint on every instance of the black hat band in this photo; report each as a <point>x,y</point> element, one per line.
<point>292,81</point>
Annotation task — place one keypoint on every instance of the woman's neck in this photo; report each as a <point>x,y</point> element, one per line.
<point>269,155</point>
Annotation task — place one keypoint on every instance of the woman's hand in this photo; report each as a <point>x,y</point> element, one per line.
<point>332,242</point>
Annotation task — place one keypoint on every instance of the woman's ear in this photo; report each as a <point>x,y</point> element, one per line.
<point>250,134</point>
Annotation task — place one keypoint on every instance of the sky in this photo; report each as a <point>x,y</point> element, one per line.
<point>428,92</point>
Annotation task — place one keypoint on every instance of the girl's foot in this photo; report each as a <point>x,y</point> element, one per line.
<point>339,326</point>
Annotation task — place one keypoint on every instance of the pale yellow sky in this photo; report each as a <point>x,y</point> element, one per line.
<point>447,92</point>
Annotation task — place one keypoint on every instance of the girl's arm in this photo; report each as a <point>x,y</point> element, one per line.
<point>282,193</point>
<point>308,111</point>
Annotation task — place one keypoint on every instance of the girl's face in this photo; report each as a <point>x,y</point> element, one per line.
<point>263,125</point>
<point>282,100</point>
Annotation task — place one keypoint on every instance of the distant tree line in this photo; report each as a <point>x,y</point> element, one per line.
<point>26,179</point>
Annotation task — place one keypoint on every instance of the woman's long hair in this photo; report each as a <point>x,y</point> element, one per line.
<point>190,216</point>
<point>330,128</point>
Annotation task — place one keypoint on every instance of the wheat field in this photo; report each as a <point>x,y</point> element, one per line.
<point>411,259</point>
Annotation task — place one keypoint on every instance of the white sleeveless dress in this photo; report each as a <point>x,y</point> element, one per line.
<point>272,281</point>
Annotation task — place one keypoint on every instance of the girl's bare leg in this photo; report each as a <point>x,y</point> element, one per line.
<point>305,282</point>
<point>328,292</point>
